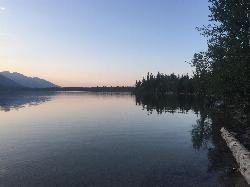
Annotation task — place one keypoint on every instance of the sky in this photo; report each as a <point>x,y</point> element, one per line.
<point>99,42</point>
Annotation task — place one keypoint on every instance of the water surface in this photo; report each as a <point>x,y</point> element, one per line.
<point>90,139</point>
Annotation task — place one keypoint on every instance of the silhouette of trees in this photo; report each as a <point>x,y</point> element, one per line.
<point>224,69</point>
<point>162,84</point>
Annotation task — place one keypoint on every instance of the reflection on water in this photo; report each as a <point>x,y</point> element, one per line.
<point>205,133</point>
<point>170,103</point>
<point>9,101</point>
<point>16,100</point>
<point>94,139</point>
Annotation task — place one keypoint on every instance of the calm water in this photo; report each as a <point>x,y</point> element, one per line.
<point>88,139</point>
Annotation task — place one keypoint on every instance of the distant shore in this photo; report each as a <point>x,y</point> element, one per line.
<point>87,89</point>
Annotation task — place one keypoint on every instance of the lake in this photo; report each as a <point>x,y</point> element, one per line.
<point>98,139</point>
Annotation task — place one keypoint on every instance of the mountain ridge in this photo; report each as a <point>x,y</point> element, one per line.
<point>25,81</point>
<point>8,83</point>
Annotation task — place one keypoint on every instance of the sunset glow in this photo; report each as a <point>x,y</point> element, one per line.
<point>93,42</point>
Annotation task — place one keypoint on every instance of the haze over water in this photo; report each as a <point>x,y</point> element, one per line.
<point>91,139</point>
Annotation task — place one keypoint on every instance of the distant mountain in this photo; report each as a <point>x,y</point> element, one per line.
<point>28,82</point>
<point>8,83</point>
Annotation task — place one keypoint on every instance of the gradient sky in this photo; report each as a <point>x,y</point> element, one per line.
<point>99,42</point>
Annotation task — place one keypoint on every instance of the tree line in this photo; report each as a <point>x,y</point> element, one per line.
<point>162,84</point>
<point>223,70</point>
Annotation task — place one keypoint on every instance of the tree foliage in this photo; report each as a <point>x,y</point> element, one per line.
<point>224,69</point>
<point>162,84</point>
